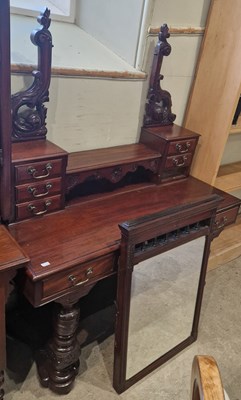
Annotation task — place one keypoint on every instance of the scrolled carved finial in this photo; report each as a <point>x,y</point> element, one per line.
<point>39,36</point>
<point>28,110</point>
<point>43,19</point>
<point>163,35</point>
<point>159,103</point>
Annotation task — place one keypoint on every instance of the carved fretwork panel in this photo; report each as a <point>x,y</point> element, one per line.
<point>158,104</point>
<point>28,111</point>
<point>111,174</point>
<point>163,240</point>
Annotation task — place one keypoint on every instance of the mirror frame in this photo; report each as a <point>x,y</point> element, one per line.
<point>5,112</point>
<point>177,225</point>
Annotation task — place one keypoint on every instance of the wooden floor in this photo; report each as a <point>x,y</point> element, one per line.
<point>227,246</point>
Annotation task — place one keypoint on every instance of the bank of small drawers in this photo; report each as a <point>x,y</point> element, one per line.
<point>177,158</point>
<point>177,146</point>
<point>79,276</point>
<point>38,188</point>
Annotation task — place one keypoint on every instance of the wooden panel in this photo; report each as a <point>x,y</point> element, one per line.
<point>230,182</point>
<point>227,246</point>
<point>11,254</point>
<point>171,132</point>
<point>112,156</point>
<point>26,68</point>
<point>229,177</point>
<point>235,129</point>
<point>35,150</point>
<point>216,88</point>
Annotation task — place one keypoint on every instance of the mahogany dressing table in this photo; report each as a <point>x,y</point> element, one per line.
<point>64,210</point>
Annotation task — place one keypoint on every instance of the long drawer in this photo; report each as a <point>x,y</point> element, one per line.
<point>80,275</point>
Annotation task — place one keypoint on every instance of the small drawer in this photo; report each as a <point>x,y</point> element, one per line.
<point>182,146</point>
<point>38,171</point>
<point>80,275</point>
<point>225,218</point>
<point>37,190</point>
<point>178,161</point>
<point>38,207</point>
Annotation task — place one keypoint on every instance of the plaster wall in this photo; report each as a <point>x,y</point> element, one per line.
<point>116,24</point>
<point>92,113</point>
<point>179,67</point>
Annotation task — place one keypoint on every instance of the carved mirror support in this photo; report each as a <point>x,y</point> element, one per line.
<point>28,110</point>
<point>161,278</point>
<point>158,103</point>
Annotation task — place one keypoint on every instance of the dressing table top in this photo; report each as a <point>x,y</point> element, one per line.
<point>89,228</point>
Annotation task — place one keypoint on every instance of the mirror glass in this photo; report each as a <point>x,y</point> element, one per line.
<point>163,296</point>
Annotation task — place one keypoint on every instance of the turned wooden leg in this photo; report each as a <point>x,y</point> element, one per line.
<point>1,384</point>
<point>58,363</point>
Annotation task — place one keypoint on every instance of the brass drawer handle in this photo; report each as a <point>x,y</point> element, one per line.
<point>179,164</point>
<point>73,278</point>
<point>33,209</point>
<point>34,191</point>
<point>32,171</point>
<point>221,224</point>
<point>183,148</point>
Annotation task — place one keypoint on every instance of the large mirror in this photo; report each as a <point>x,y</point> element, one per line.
<point>160,284</point>
<point>163,298</point>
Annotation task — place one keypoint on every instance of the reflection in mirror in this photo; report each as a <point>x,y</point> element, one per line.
<point>161,275</point>
<point>163,297</point>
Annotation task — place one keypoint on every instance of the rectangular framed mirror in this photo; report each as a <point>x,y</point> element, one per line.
<point>161,276</point>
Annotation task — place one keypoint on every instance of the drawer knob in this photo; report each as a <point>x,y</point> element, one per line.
<point>34,191</point>
<point>32,171</point>
<point>179,162</point>
<point>183,148</point>
<point>33,209</point>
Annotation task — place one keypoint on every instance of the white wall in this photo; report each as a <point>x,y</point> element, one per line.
<point>180,13</point>
<point>179,67</point>
<point>116,24</point>
<point>91,113</point>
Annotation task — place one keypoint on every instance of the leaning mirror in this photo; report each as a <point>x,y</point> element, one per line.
<point>163,297</point>
<point>161,277</point>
